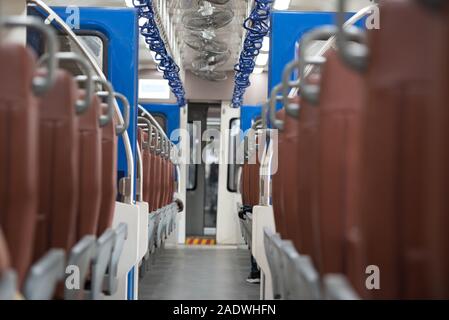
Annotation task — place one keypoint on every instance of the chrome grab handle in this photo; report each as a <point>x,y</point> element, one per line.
<point>121,128</point>
<point>351,41</point>
<point>311,92</point>
<point>41,84</point>
<point>104,119</point>
<point>276,123</point>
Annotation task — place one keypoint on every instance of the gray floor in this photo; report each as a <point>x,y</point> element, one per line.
<point>199,274</point>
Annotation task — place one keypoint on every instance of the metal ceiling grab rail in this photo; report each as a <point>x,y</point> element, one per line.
<point>126,141</point>
<point>150,31</point>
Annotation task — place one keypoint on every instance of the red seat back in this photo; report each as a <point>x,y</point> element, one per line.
<point>90,167</point>
<point>19,153</point>
<point>289,175</point>
<point>58,167</point>
<point>109,177</point>
<point>399,215</point>
<point>306,180</point>
<point>340,110</point>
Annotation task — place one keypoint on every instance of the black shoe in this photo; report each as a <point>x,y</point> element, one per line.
<point>253,277</point>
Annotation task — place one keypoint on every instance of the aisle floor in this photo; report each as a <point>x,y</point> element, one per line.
<point>193,273</point>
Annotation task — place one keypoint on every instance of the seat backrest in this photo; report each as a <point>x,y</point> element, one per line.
<point>402,81</point>
<point>58,167</point>
<point>153,181</point>
<point>340,108</point>
<point>289,167</point>
<point>307,186</point>
<point>19,150</point>
<point>164,176</point>
<point>90,168</point>
<point>156,185</point>
<point>109,143</point>
<point>277,182</point>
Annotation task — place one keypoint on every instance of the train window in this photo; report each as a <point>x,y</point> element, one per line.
<point>192,167</point>
<point>234,142</point>
<point>94,41</point>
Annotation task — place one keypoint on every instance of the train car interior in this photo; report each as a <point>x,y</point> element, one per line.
<point>224,149</point>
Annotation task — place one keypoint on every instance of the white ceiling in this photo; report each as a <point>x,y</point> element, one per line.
<point>232,34</point>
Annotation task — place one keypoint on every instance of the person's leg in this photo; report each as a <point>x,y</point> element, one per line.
<point>254,276</point>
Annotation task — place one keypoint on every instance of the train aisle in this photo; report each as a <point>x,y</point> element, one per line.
<point>198,273</point>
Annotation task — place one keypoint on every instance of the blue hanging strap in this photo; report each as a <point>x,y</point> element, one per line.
<point>257,28</point>
<point>166,64</point>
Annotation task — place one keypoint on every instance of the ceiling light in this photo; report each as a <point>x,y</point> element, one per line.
<point>281,4</point>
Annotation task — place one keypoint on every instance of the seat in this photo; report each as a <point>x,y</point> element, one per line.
<point>306,179</point>
<point>156,185</point>
<point>90,168</point>
<point>109,147</point>
<point>289,172</point>
<point>154,173</point>
<point>19,144</point>
<point>277,183</point>
<point>340,108</point>
<point>58,167</point>
<point>403,137</point>
<point>164,177</point>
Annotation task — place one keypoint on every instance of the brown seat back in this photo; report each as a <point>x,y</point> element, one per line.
<point>109,143</point>
<point>58,167</point>
<point>156,185</point>
<point>19,153</point>
<point>164,175</point>
<point>340,110</point>
<point>90,167</point>
<point>306,179</point>
<point>402,81</point>
<point>289,173</point>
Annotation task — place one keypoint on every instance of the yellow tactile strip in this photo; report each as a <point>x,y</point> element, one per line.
<point>198,241</point>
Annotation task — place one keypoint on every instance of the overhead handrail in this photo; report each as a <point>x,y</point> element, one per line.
<point>82,104</point>
<point>85,52</point>
<point>41,84</point>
